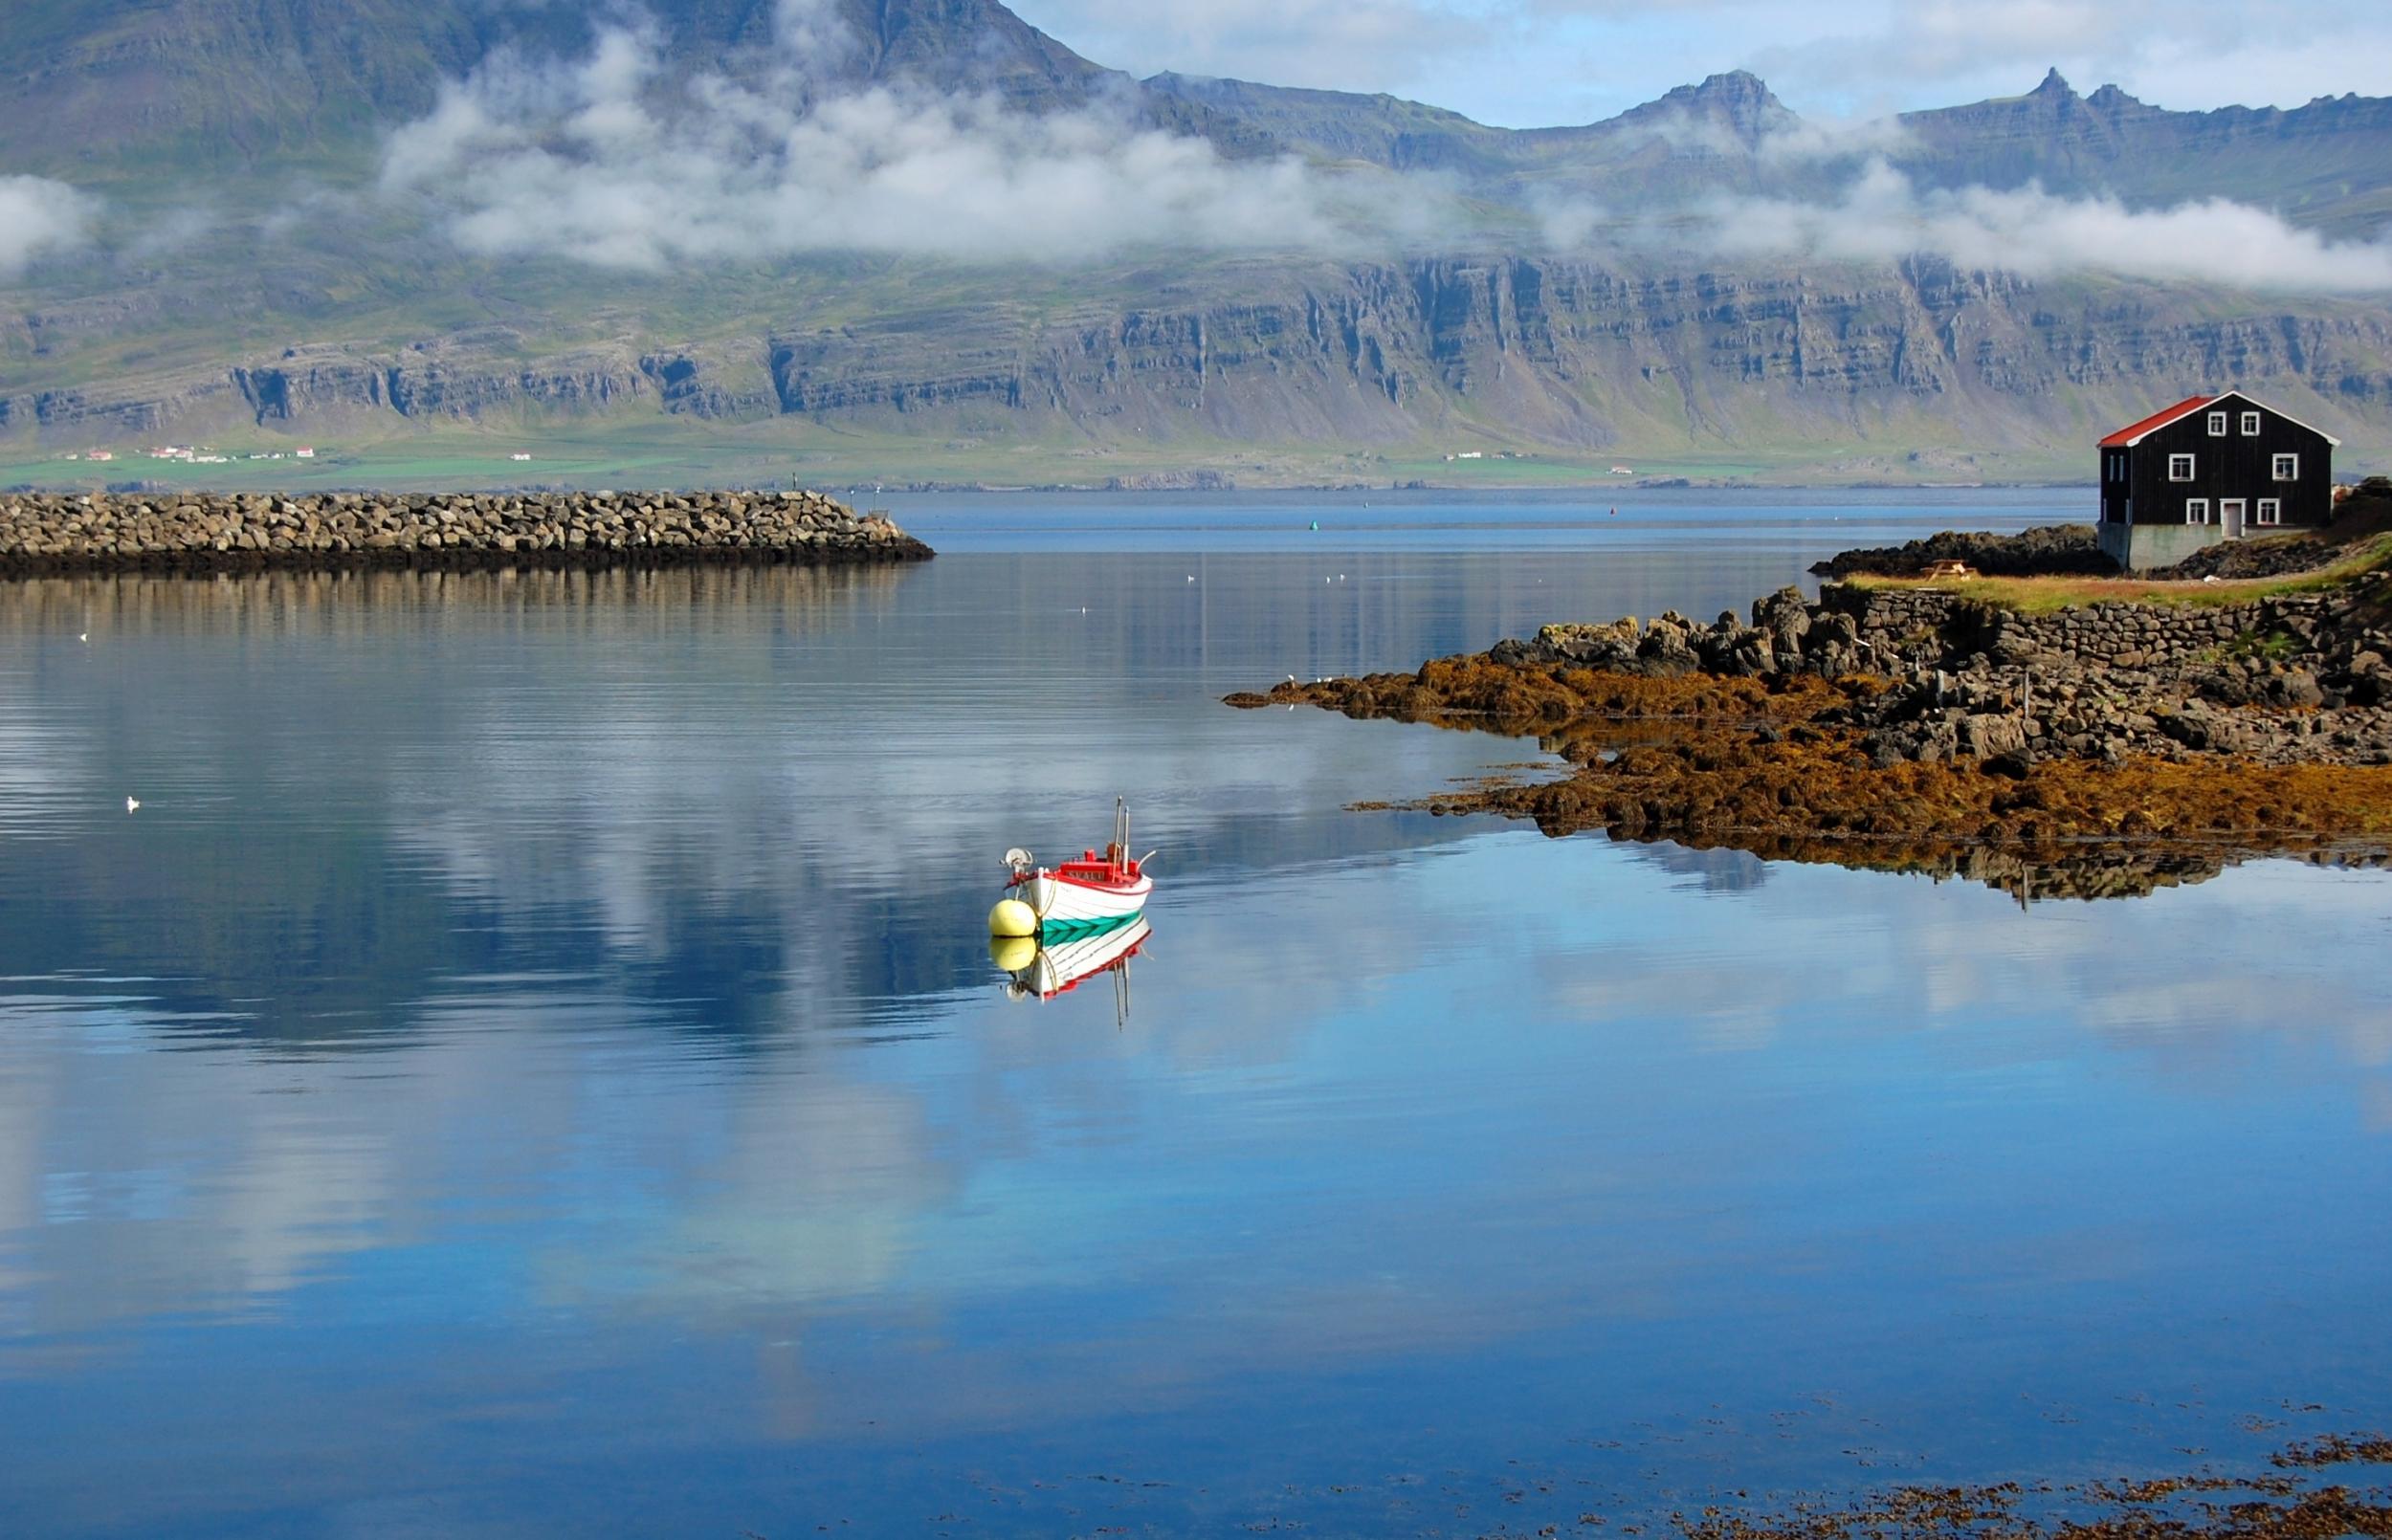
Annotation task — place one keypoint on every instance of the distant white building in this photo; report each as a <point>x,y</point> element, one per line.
<point>304,454</point>
<point>519,456</point>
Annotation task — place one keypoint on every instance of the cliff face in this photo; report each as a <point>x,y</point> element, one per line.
<point>1530,353</point>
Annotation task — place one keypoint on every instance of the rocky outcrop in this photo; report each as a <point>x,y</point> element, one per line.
<point>43,535</point>
<point>2288,680</point>
<point>2047,550</point>
<point>2088,752</point>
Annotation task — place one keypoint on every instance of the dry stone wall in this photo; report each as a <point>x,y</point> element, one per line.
<point>205,534</point>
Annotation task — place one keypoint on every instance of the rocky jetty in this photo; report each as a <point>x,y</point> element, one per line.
<point>195,532</point>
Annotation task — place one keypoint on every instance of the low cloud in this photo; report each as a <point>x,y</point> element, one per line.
<point>1883,217</point>
<point>606,161</point>
<point>1569,223</point>
<point>1785,143</point>
<point>617,160</point>
<point>1834,139</point>
<point>38,218</point>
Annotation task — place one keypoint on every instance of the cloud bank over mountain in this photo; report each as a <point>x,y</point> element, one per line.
<point>39,217</point>
<point>608,160</point>
<point>611,161</point>
<point>1883,217</point>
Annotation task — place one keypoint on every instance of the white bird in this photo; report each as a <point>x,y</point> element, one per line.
<point>1191,577</point>
<point>83,637</point>
<point>131,805</point>
<point>1291,678</point>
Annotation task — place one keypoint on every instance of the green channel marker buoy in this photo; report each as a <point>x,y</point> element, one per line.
<point>1316,523</point>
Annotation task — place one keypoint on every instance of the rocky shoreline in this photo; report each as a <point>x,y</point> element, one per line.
<point>49,534</point>
<point>1921,728</point>
<point>2044,550</point>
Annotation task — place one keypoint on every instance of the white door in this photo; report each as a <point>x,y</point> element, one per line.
<point>2231,516</point>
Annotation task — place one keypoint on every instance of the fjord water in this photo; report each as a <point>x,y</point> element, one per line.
<point>532,1065</point>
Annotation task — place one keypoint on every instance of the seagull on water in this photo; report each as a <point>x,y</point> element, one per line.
<point>84,636</point>
<point>131,805</point>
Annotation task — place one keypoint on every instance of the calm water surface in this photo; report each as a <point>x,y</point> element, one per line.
<point>533,1065</point>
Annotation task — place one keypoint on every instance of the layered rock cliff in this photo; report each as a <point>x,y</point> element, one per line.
<point>1532,353</point>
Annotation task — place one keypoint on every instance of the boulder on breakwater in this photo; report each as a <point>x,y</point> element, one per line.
<point>202,533</point>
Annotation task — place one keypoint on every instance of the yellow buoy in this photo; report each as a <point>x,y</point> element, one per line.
<point>1012,953</point>
<point>1013,917</point>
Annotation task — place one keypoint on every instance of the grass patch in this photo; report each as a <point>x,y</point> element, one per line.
<point>2269,646</point>
<point>2043,595</point>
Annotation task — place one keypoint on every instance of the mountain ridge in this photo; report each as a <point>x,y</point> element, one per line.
<point>334,308</point>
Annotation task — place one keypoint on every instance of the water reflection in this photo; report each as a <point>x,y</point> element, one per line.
<point>1044,970</point>
<point>532,1063</point>
<point>685,787</point>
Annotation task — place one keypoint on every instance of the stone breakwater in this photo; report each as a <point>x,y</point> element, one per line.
<point>58,534</point>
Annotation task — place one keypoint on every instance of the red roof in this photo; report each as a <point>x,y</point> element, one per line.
<point>2157,419</point>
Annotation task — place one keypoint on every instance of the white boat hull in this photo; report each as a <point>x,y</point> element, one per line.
<point>1058,901</point>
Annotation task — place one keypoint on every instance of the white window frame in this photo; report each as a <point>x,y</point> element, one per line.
<point>2278,464</point>
<point>2217,425</point>
<point>2271,511</point>
<point>2250,425</point>
<point>2197,510</point>
<point>2186,461</point>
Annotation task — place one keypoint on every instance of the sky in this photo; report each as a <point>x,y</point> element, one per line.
<point>1530,63</point>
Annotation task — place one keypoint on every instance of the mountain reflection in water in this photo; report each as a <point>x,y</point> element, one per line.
<point>533,1063</point>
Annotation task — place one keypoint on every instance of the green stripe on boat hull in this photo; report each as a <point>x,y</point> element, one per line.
<point>1051,932</point>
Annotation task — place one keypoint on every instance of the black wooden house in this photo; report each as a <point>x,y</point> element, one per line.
<point>2210,468</point>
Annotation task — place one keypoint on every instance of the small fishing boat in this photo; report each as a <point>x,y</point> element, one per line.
<point>1099,891</point>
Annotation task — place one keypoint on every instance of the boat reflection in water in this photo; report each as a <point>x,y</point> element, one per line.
<point>1044,972</point>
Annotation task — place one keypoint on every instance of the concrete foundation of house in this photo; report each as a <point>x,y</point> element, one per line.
<point>2141,547</point>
